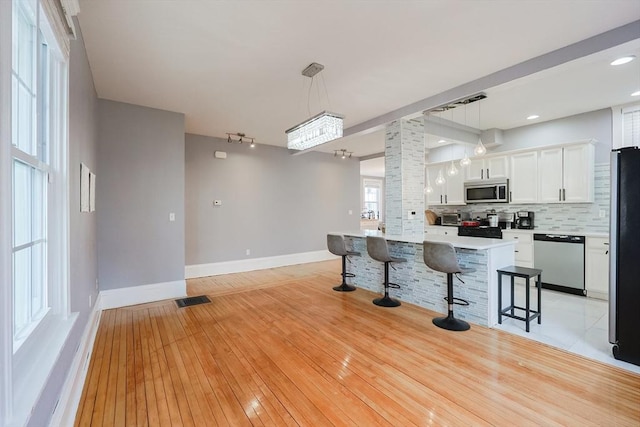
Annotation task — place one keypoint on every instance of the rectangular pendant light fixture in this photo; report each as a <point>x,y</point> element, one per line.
<point>321,128</point>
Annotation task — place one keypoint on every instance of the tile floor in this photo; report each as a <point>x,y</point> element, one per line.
<point>574,323</point>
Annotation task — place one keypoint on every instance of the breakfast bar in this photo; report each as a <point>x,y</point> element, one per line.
<point>426,288</point>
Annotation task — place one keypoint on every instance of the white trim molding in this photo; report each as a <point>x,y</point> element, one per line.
<point>133,295</point>
<point>71,392</point>
<point>240,266</point>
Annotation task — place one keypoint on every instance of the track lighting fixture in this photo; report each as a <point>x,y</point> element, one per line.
<point>240,136</point>
<point>343,153</point>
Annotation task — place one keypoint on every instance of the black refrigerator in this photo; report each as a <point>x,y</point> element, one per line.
<point>624,255</point>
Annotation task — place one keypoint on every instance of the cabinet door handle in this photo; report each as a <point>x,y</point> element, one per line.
<point>481,173</point>
<point>606,253</point>
<point>441,199</point>
<point>516,251</point>
<point>488,173</point>
<point>510,196</point>
<point>607,244</point>
<point>560,194</point>
<point>445,199</point>
<point>564,194</point>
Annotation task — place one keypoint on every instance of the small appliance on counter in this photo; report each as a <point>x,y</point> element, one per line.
<point>450,219</point>
<point>524,220</point>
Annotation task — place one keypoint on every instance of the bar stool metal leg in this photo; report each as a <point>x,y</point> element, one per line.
<point>386,300</point>
<point>450,323</point>
<point>343,287</point>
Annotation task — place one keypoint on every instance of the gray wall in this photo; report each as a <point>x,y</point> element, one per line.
<point>83,259</point>
<point>141,180</point>
<point>273,203</point>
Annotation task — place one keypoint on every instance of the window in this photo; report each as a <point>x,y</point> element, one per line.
<point>631,126</point>
<point>372,199</point>
<point>35,319</point>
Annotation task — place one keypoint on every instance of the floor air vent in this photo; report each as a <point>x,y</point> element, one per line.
<point>186,302</point>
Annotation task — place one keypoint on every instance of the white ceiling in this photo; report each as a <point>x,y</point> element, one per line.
<point>234,66</point>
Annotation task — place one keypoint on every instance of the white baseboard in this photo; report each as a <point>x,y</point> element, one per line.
<point>239,266</point>
<point>65,412</point>
<point>132,295</point>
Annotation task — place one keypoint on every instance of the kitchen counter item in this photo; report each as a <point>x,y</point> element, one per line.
<point>470,223</point>
<point>431,216</point>
<point>486,232</point>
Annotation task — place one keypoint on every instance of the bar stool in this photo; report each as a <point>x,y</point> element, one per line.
<point>441,256</point>
<point>378,249</point>
<point>337,246</point>
<point>527,274</point>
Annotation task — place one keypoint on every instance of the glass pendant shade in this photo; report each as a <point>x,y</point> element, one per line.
<point>440,178</point>
<point>317,130</point>
<point>428,189</point>
<point>452,170</point>
<point>465,161</point>
<point>480,149</point>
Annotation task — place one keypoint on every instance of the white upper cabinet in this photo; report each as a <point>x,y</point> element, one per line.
<point>487,168</point>
<point>566,174</point>
<point>451,192</point>
<point>523,185</point>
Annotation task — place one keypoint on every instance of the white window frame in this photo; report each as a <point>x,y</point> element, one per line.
<point>377,183</point>
<point>618,113</point>
<point>25,365</point>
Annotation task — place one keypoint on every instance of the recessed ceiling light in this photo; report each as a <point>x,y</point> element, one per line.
<point>623,60</point>
<point>636,93</point>
<point>533,117</point>
<point>441,141</point>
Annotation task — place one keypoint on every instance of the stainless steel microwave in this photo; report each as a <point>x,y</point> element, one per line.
<point>487,191</point>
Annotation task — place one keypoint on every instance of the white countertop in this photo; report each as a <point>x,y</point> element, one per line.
<point>539,231</point>
<point>475,243</point>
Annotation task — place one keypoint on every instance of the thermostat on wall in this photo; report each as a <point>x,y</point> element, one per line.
<point>220,154</point>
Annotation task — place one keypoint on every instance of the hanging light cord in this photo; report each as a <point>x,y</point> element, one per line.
<point>326,93</point>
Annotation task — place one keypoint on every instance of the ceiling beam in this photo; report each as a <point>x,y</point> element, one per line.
<point>597,43</point>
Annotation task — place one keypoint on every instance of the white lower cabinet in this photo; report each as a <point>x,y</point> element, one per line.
<point>523,249</point>
<point>441,230</point>
<point>597,267</point>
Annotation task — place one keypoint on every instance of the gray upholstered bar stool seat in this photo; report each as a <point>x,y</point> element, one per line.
<point>337,246</point>
<point>378,249</point>
<point>441,256</point>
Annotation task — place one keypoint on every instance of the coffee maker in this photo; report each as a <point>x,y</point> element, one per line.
<point>524,220</point>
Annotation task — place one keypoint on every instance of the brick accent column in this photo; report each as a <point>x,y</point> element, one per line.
<point>404,172</point>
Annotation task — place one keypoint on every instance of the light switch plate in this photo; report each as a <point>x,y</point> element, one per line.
<point>172,216</point>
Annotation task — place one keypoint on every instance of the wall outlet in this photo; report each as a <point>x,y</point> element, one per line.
<point>172,216</point>
<point>350,212</point>
<point>411,214</point>
<point>217,203</point>
<point>248,251</point>
<point>602,213</point>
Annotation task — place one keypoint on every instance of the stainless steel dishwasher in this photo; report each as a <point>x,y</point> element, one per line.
<point>561,259</point>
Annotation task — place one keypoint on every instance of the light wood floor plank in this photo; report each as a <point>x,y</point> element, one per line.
<point>279,347</point>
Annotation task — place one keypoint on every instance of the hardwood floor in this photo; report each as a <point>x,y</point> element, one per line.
<point>279,347</point>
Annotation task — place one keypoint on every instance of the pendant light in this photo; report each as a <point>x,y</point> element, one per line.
<point>480,149</point>
<point>452,170</point>
<point>428,189</point>
<point>465,161</point>
<point>440,178</point>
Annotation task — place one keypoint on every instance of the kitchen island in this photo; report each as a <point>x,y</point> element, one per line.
<point>424,287</point>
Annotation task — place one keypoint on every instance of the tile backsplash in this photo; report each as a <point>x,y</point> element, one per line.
<point>574,217</point>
